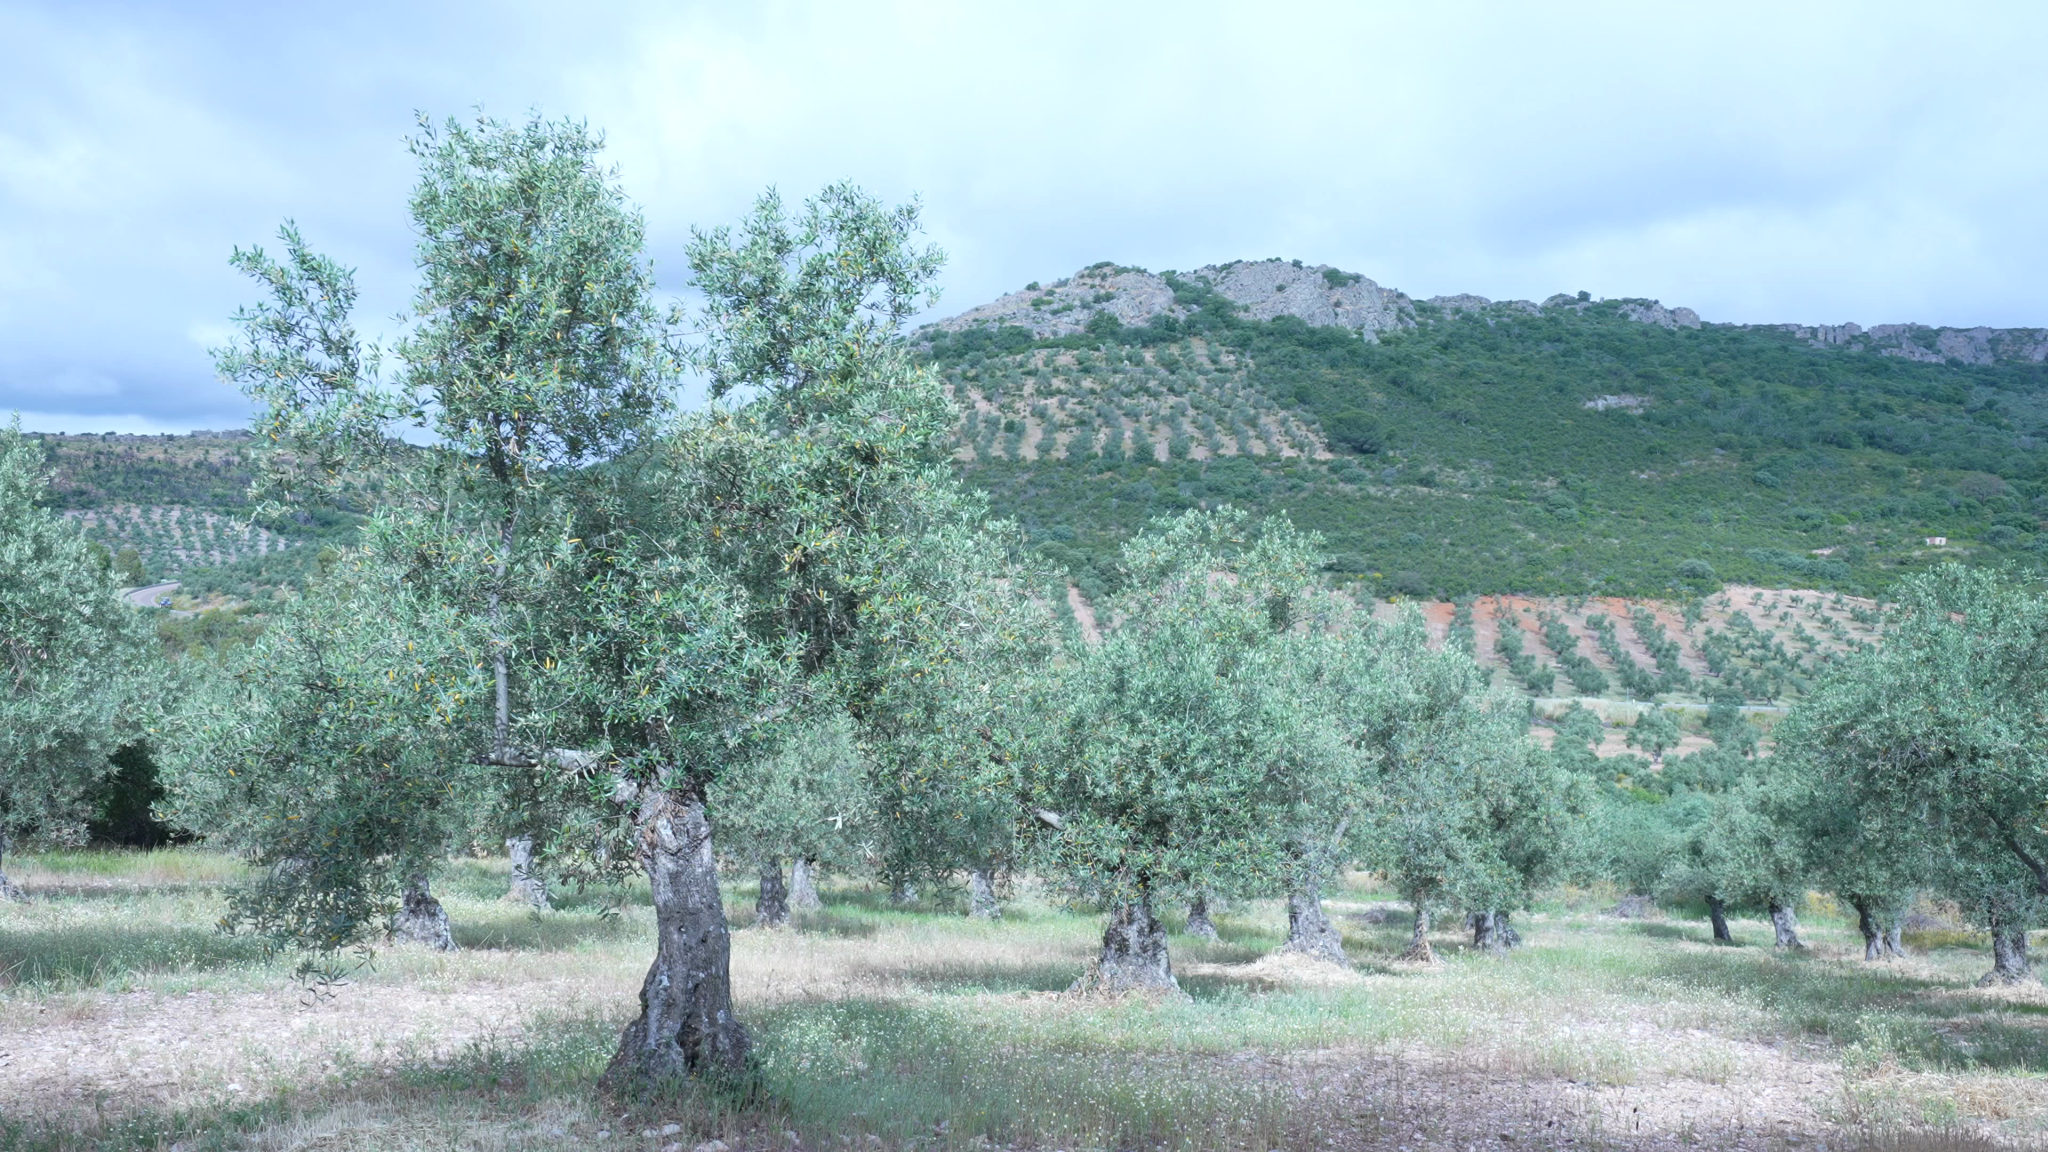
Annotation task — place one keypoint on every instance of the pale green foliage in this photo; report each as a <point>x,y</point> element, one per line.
<point>331,751</point>
<point>960,691</point>
<point>319,408</point>
<point>1173,765</point>
<point>1467,812</point>
<point>808,800</point>
<point>77,674</point>
<point>535,345</point>
<point>771,562</point>
<point>1655,732</point>
<point>1938,739</point>
<point>535,358</point>
<point>803,307</point>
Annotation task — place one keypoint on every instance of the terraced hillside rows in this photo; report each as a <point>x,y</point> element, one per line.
<point>1185,401</point>
<point>177,508</point>
<point>168,539</point>
<point>1744,645</point>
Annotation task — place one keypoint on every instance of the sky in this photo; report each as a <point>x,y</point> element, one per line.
<point>1817,163</point>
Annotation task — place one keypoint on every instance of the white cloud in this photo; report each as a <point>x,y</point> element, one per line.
<point>1757,162</point>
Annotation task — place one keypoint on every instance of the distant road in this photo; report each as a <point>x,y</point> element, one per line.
<point>147,597</point>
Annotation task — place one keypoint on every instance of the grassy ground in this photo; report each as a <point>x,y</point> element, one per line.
<point>127,1021</point>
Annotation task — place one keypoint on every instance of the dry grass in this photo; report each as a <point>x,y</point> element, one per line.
<point>126,1022</point>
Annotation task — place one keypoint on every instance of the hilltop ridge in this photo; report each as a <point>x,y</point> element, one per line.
<point>1323,296</point>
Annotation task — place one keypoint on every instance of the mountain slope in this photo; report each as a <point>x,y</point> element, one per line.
<point>1460,446</point>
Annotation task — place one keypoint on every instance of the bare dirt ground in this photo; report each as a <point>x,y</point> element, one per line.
<point>1599,1033</point>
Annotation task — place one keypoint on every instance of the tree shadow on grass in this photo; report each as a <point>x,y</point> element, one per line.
<point>515,929</point>
<point>1667,931</point>
<point>1877,1011</point>
<point>93,954</point>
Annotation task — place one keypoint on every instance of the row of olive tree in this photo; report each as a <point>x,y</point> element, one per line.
<point>1916,766</point>
<point>619,631</point>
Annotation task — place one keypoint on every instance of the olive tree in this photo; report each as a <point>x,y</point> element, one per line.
<point>1167,771</point>
<point>751,570</point>
<point>1939,736</point>
<point>77,678</point>
<point>953,710</point>
<point>532,359</point>
<point>330,750</point>
<point>1468,812</point>
<point>806,803</point>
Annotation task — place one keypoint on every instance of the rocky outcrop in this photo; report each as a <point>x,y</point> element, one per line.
<point>1929,345</point>
<point>1318,295</point>
<point>1132,295</point>
<point>1651,312</point>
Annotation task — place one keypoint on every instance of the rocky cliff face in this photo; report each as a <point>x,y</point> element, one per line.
<point>1932,345</point>
<point>1322,297</point>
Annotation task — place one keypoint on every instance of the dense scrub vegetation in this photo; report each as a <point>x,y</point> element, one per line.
<point>1567,449</point>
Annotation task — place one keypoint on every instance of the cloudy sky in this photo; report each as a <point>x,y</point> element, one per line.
<point>1817,162</point>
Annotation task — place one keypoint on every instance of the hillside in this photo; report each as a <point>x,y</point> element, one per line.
<point>1459,446</point>
<point>176,508</point>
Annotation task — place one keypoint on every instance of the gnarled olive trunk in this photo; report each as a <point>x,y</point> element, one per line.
<point>2009,961</point>
<point>1784,926</point>
<point>771,907</point>
<point>1880,934</point>
<point>1199,925</point>
<point>803,893</point>
<point>1866,923</point>
<point>420,918</point>
<point>1892,941</point>
<point>527,885</point>
<point>1717,912</point>
<point>1309,931</point>
<point>981,895</point>
<point>1134,957</point>
<point>1492,932</point>
<point>686,1026</point>
<point>8,891</point>
<point>1419,951</point>
<point>903,894</point>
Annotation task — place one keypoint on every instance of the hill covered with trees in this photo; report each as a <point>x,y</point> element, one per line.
<point>169,507</point>
<point>1460,446</point>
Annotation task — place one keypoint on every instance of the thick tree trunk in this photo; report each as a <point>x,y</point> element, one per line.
<point>1134,957</point>
<point>1309,931</point>
<point>1717,912</point>
<point>421,919</point>
<point>981,895</point>
<point>903,894</point>
<point>527,885</point>
<point>686,1026</point>
<point>1199,925</point>
<point>2009,961</point>
<point>1866,923</point>
<point>1892,943</point>
<point>771,908</point>
<point>1785,926</point>
<point>1419,951</point>
<point>803,894</point>
<point>8,890</point>
<point>1492,932</point>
